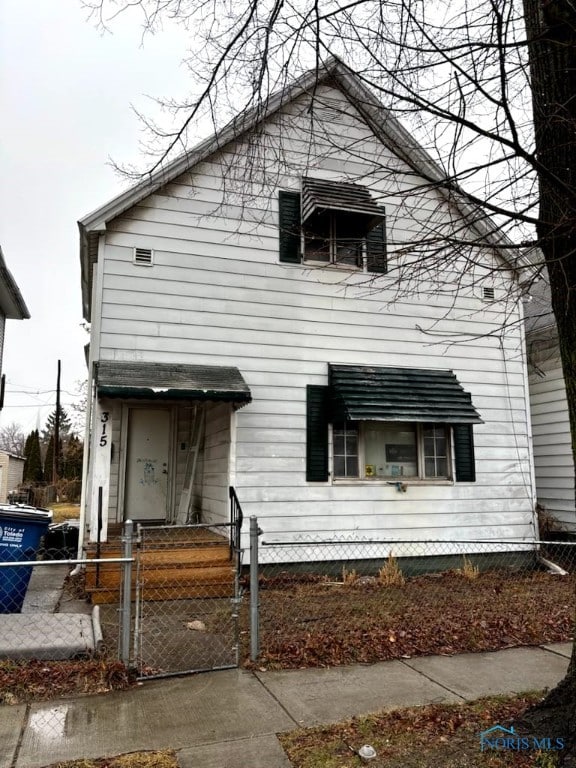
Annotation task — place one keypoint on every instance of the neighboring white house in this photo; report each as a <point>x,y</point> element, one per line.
<point>261,319</point>
<point>11,473</point>
<point>12,307</point>
<point>552,444</point>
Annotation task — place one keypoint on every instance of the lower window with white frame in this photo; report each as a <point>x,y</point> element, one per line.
<point>391,450</point>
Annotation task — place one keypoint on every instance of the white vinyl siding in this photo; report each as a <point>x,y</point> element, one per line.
<point>219,296</point>
<point>11,472</point>
<point>553,463</point>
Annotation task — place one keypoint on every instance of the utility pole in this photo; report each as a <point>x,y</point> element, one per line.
<point>56,453</point>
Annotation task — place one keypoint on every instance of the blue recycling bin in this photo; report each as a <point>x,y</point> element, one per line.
<point>21,530</point>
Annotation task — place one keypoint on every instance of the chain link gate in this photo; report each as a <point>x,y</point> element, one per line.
<point>187,599</point>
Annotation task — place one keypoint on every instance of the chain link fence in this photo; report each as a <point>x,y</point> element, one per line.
<point>318,602</point>
<point>187,598</point>
<point>182,602</point>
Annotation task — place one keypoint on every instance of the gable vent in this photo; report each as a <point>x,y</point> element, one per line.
<point>488,293</point>
<point>143,256</point>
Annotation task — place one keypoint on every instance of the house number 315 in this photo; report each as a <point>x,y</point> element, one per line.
<point>103,435</point>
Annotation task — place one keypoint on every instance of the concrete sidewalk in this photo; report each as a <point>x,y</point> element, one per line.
<point>230,719</point>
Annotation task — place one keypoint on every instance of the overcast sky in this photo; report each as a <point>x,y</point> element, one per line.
<point>65,99</point>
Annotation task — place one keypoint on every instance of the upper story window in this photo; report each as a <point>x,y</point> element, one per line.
<point>332,223</point>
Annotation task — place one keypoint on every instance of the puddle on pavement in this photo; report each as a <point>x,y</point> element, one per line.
<point>52,724</point>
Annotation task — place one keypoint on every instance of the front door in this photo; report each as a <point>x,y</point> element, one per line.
<point>147,470</point>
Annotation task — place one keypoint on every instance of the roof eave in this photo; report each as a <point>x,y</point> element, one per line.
<point>95,222</point>
<point>12,304</point>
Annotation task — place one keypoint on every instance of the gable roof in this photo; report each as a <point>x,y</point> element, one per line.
<point>381,121</point>
<point>11,302</point>
<point>538,309</point>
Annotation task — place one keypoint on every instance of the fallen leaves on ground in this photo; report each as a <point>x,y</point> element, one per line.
<point>157,759</point>
<point>320,624</point>
<point>434,736</point>
<point>22,681</point>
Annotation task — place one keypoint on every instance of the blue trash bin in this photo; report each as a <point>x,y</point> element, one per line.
<point>21,529</point>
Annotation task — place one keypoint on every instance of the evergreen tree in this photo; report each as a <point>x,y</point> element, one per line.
<point>33,466</point>
<point>73,453</point>
<point>64,427</point>
<point>49,461</point>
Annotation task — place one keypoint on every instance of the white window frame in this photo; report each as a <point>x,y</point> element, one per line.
<point>421,478</point>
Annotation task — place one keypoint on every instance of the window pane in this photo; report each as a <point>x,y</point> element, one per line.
<point>352,443</point>
<point>435,451</point>
<point>352,466</point>
<point>348,252</point>
<point>317,249</point>
<point>345,449</point>
<point>339,466</point>
<point>390,450</point>
<point>339,443</point>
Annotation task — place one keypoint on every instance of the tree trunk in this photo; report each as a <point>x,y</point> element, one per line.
<point>551,32</point>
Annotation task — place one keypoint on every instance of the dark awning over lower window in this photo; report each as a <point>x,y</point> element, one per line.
<point>371,393</point>
<point>165,381</point>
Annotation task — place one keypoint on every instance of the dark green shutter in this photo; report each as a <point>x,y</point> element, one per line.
<point>376,249</point>
<point>316,433</point>
<point>464,453</point>
<point>289,226</point>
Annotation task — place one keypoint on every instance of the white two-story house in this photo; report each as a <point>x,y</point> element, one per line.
<point>299,309</point>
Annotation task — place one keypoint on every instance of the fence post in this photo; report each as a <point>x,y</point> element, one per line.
<point>126,618</point>
<point>254,601</point>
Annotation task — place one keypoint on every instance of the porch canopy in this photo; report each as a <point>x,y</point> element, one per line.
<point>376,393</point>
<point>168,381</point>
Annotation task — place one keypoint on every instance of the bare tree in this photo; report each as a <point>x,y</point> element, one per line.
<point>12,439</point>
<point>488,87</point>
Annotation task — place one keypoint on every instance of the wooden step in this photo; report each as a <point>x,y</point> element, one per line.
<point>111,576</point>
<point>104,595</point>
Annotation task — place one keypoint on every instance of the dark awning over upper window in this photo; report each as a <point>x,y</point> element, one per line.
<point>319,196</point>
<point>371,393</point>
<point>165,381</point>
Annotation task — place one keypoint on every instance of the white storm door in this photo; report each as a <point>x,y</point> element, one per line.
<point>147,470</point>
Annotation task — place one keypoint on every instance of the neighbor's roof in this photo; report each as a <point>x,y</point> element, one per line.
<point>167,381</point>
<point>538,308</point>
<point>11,301</point>
<point>382,122</point>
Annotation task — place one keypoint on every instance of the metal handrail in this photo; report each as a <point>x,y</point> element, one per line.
<point>236,518</point>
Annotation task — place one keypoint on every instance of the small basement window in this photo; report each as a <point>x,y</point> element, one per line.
<point>143,257</point>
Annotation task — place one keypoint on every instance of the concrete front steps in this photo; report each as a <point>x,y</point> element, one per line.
<point>183,564</point>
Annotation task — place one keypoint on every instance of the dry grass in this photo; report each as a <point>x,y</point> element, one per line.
<point>349,577</point>
<point>468,570</point>
<point>390,574</point>
<point>316,624</point>
<point>64,511</point>
<point>149,759</point>
<point>23,681</point>
<point>435,736</point>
